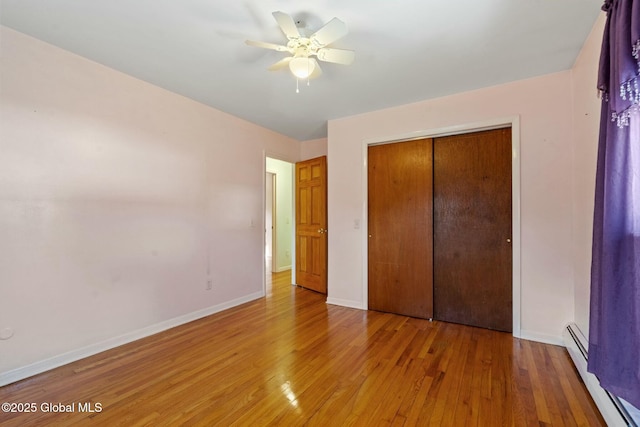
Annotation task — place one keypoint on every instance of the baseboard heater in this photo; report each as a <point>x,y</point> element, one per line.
<point>612,409</point>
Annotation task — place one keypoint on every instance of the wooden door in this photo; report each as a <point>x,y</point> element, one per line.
<point>400,219</point>
<point>472,229</point>
<point>311,224</point>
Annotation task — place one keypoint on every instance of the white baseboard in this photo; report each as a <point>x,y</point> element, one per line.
<point>543,338</point>
<point>281,269</point>
<point>345,303</point>
<point>26,371</point>
<point>610,408</point>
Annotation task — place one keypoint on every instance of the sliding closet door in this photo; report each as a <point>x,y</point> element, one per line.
<point>472,229</point>
<point>400,222</point>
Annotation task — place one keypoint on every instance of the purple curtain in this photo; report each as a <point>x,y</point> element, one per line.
<point>614,326</point>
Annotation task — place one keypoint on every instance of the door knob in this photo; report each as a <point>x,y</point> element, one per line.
<point>508,240</point>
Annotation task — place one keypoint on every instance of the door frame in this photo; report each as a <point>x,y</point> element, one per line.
<point>514,123</point>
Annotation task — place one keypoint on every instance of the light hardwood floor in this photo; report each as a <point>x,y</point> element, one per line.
<point>291,359</point>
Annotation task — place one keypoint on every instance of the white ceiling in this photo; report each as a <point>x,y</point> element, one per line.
<point>406,50</point>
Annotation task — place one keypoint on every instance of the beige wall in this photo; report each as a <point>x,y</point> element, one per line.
<point>586,121</point>
<point>118,202</point>
<point>544,107</point>
<point>313,148</point>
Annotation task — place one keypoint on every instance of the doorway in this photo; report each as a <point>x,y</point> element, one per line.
<point>469,179</point>
<point>278,216</point>
<point>279,176</point>
<point>269,220</point>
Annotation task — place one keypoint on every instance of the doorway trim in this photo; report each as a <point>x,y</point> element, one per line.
<point>514,123</point>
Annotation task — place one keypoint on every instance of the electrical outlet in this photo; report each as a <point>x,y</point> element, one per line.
<point>209,285</point>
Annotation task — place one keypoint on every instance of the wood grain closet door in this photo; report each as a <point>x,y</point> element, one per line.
<point>311,224</point>
<point>472,229</point>
<point>400,244</point>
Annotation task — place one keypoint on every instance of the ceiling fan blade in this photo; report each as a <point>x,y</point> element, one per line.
<point>317,71</point>
<point>332,31</point>
<point>284,62</point>
<point>287,25</point>
<point>264,45</point>
<point>337,56</point>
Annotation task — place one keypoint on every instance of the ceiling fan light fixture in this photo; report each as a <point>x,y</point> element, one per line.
<point>302,67</point>
<point>306,51</point>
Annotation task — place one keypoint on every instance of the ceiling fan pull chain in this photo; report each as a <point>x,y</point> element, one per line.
<point>297,88</point>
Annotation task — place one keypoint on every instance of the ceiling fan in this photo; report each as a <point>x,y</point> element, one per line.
<point>304,50</point>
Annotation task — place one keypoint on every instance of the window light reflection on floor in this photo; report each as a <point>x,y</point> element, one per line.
<point>289,394</point>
